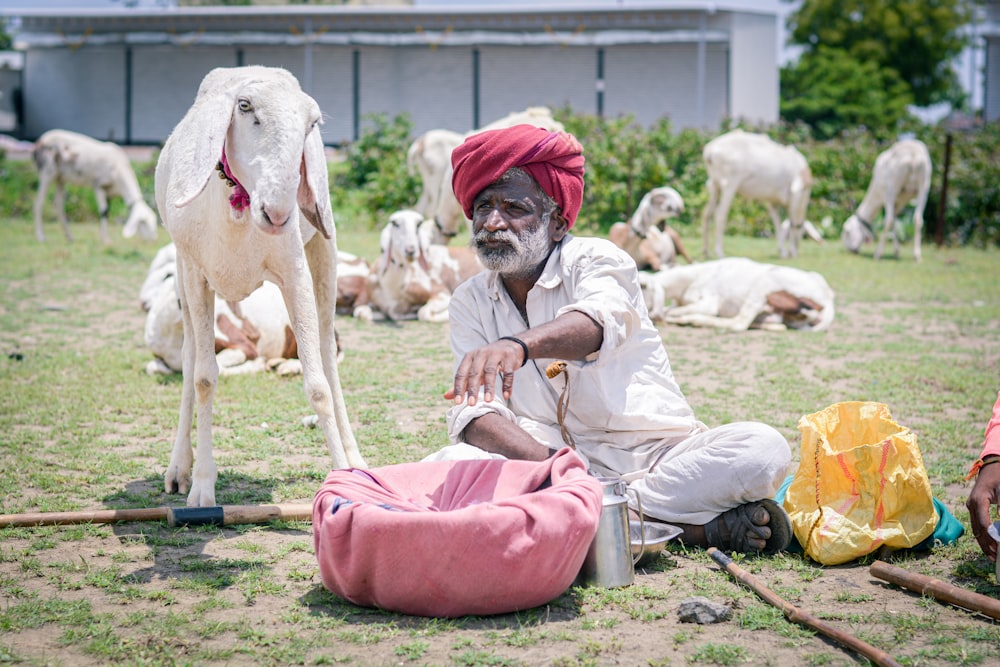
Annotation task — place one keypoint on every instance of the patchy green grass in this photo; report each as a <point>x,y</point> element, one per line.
<point>83,427</point>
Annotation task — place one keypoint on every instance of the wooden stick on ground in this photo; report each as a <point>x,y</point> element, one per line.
<point>220,515</point>
<point>796,615</point>
<point>937,589</point>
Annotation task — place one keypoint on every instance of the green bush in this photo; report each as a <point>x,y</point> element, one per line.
<point>376,167</point>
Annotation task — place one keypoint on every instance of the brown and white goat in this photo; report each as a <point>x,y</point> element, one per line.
<point>647,237</point>
<point>414,278</point>
<point>737,294</point>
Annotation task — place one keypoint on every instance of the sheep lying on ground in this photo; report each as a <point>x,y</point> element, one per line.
<point>353,292</point>
<point>63,157</point>
<point>430,156</point>
<point>254,336</point>
<point>902,174</point>
<point>241,185</point>
<point>163,268</point>
<point>756,167</point>
<point>737,293</point>
<point>413,278</point>
<point>646,237</point>
<point>352,279</point>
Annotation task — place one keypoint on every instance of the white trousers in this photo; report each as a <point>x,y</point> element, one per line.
<point>698,478</point>
<point>716,470</point>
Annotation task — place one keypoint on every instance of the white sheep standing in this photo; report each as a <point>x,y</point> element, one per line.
<point>242,188</point>
<point>902,175</point>
<point>430,156</point>
<point>651,242</point>
<point>756,167</point>
<point>63,157</point>
<point>414,278</point>
<point>737,293</point>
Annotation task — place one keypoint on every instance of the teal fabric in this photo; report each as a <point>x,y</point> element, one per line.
<point>947,530</point>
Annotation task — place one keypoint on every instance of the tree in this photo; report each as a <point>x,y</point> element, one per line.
<point>830,91</point>
<point>917,39</point>
<point>6,43</point>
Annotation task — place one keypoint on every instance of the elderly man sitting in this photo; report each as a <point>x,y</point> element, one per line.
<point>549,296</point>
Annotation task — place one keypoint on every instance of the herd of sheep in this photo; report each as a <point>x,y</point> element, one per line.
<point>417,269</point>
<point>253,276</point>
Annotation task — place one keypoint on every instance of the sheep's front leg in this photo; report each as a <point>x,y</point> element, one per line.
<point>918,224</point>
<point>44,181</point>
<point>785,235</point>
<point>201,373</point>
<point>322,258</point>
<point>102,211</point>
<point>301,305</point>
<point>59,199</point>
<point>888,227</point>
<point>706,214</point>
<point>706,305</point>
<point>722,215</point>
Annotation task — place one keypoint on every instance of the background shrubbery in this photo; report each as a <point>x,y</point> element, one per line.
<point>624,161</point>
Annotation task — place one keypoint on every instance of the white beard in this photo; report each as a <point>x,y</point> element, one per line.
<point>523,255</point>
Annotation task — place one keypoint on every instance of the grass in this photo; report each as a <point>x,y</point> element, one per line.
<point>82,427</point>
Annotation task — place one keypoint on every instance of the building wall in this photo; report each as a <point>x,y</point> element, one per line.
<point>652,82</point>
<point>75,89</point>
<point>695,71</point>
<point>755,78</point>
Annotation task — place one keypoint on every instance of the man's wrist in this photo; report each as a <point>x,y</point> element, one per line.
<point>524,347</point>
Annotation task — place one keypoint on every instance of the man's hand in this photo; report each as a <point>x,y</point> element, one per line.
<point>480,367</point>
<point>572,335</point>
<point>985,493</point>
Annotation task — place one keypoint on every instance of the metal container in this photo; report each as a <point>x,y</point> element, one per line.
<point>609,562</point>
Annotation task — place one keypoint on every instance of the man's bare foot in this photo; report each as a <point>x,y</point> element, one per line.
<point>760,526</point>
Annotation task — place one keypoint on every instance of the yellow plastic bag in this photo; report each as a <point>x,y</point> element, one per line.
<point>861,484</point>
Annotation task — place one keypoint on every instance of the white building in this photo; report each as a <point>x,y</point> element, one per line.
<point>130,74</point>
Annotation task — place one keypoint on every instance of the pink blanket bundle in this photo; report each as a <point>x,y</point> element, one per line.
<point>456,538</point>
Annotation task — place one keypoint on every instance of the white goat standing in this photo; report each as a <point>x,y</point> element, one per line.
<point>737,294</point>
<point>646,237</point>
<point>258,128</point>
<point>902,174</point>
<point>413,278</point>
<point>430,155</point>
<point>63,157</point>
<point>756,167</point>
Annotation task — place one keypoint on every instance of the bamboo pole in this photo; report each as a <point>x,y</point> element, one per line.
<point>219,515</point>
<point>937,589</point>
<point>796,615</point>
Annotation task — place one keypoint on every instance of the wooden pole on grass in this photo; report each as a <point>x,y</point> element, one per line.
<point>219,515</point>
<point>937,589</point>
<point>796,615</point>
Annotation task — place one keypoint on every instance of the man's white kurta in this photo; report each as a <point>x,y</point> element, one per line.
<point>626,412</point>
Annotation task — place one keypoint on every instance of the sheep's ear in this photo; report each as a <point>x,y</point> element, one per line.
<point>198,142</point>
<point>314,192</point>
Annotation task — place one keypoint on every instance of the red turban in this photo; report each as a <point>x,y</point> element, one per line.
<point>553,159</point>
